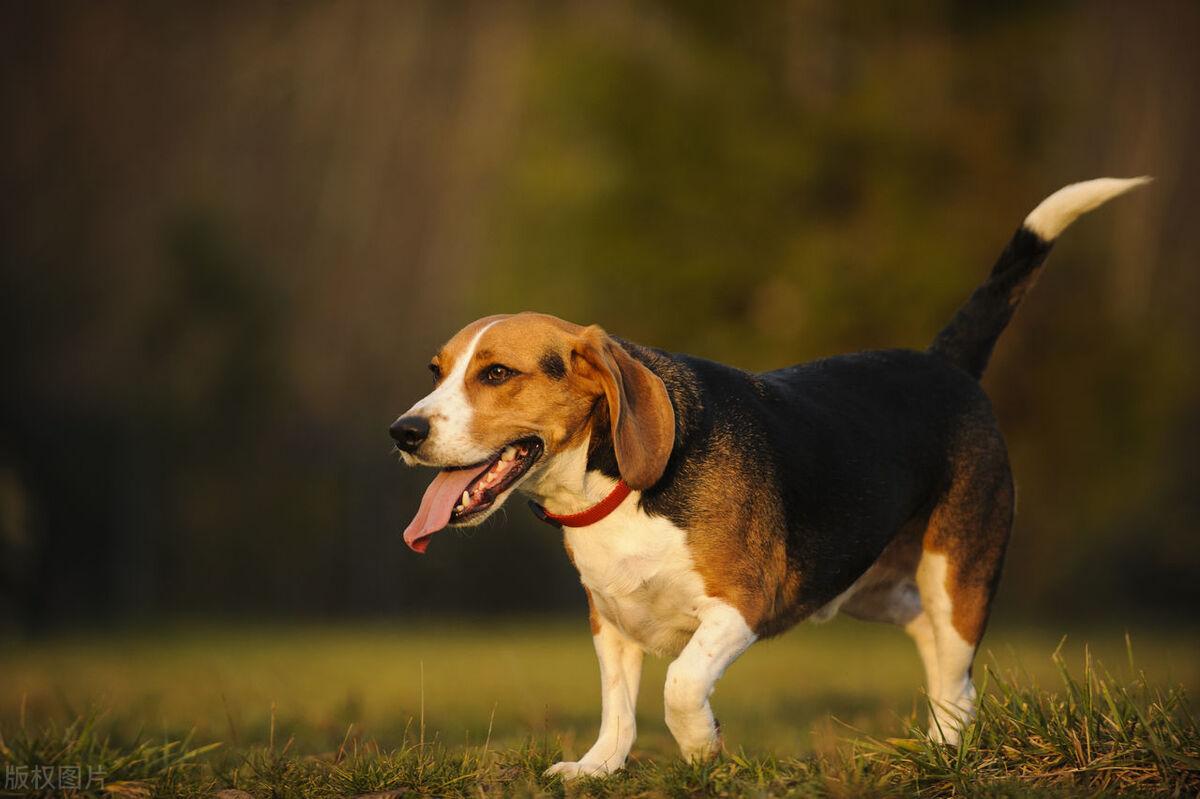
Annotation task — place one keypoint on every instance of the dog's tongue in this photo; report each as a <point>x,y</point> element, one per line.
<point>437,505</point>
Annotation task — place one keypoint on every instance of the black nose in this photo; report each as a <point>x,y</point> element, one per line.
<point>410,432</point>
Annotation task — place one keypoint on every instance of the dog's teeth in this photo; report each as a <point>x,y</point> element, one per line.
<point>510,453</point>
<point>466,499</point>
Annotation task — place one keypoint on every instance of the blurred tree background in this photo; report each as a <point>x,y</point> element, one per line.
<point>232,235</point>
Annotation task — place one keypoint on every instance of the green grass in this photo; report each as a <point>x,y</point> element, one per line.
<point>482,709</point>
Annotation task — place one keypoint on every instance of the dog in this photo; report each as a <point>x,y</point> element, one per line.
<point>706,507</point>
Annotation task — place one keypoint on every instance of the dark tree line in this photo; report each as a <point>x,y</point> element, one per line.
<point>231,236</point>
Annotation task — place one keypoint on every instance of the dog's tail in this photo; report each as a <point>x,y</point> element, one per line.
<point>968,339</point>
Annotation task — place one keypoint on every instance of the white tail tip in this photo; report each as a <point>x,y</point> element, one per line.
<point>1067,204</point>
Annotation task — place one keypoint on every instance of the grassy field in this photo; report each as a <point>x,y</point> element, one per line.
<point>465,708</point>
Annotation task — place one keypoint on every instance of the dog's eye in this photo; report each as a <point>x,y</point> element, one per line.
<point>436,370</point>
<point>496,374</point>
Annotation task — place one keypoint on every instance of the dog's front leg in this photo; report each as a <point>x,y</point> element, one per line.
<point>620,673</point>
<point>720,638</point>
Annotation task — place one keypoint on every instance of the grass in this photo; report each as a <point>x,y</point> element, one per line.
<point>482,710</point>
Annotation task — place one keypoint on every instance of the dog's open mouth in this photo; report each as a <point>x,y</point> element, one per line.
<point>460,494</point>
<point>501,472</point>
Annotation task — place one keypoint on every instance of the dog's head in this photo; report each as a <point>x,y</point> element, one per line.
<point>512,393</point>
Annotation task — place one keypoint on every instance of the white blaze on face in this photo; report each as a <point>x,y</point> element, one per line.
<point>450,414</point>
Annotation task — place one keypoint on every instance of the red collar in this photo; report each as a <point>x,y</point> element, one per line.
<point>585,517</point>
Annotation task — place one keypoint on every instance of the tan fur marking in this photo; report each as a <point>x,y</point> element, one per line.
<point>742,559</point>
<point>970,526</point>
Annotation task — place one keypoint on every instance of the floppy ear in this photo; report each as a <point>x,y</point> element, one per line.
<point>639,409</point>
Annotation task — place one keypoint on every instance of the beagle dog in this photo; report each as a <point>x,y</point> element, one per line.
<point>706,507</point>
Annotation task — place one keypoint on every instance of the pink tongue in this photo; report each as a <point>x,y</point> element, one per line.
<point>437,505</point>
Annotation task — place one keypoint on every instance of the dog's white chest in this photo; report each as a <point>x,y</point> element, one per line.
<point>641,577</point>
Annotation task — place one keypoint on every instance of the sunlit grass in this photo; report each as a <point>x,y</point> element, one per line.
<point>525,677</point>
<point>456,706</point>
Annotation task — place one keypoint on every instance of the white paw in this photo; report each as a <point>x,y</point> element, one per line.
<point>699,741</point>
<point>946,731</point>
<point>701,751</point>
<point>571,770</point>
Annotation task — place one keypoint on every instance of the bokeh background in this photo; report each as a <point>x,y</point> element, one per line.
<point>233,233</point>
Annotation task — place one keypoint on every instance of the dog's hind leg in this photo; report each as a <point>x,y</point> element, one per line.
<point>920,629</point>
<point>963,551</point>
<point>888,593</point>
